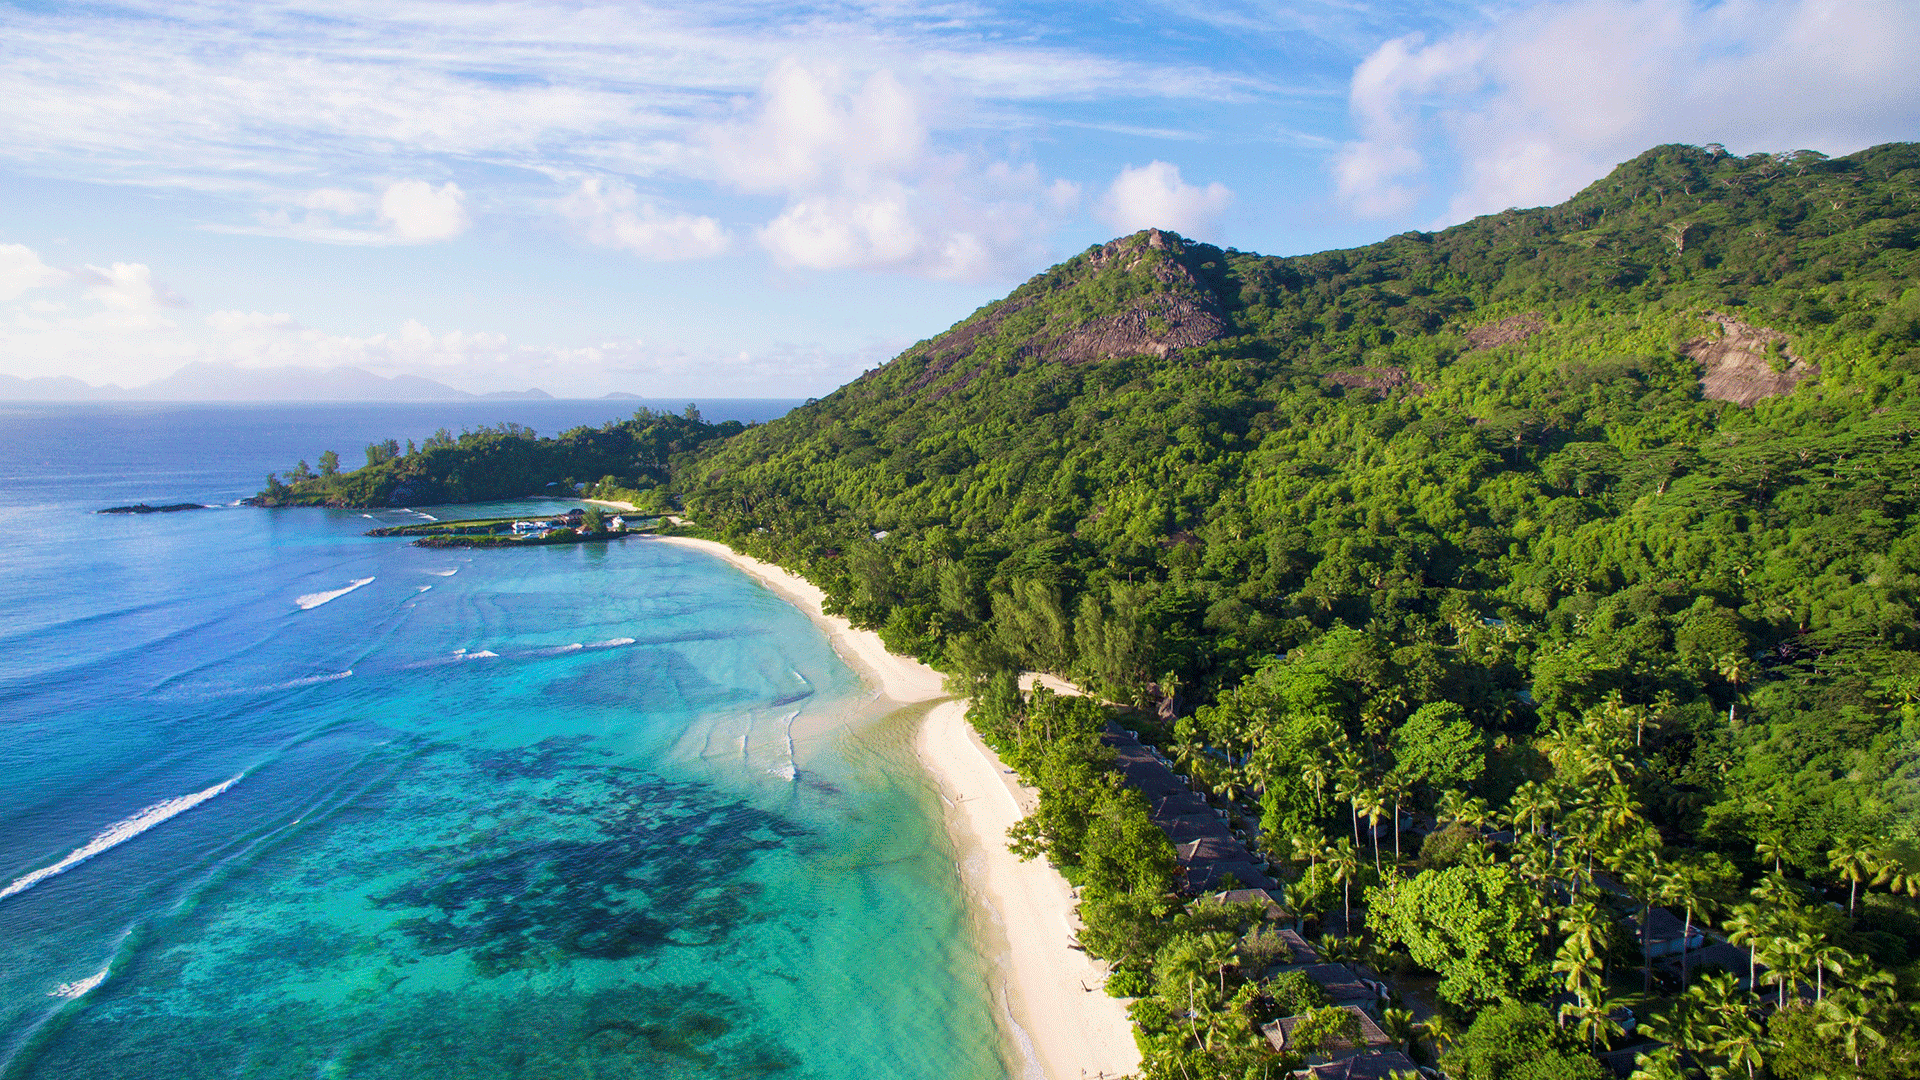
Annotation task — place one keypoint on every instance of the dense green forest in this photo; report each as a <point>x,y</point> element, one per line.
<point>631,461</point>
<point>1590,523</point>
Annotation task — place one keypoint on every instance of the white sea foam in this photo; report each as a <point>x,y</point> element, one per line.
<point>311,680</point>
<point>80,987</point>
<point>421,588</point>
<point>610,643</point>
<point>315,599</point>
<point>369,517</point>
<point>483,654</point>
<point>444,573</point>
<point>557,650</point>
<point>116,834</point>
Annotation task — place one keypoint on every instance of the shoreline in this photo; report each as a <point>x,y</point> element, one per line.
<point>1056,1020</point>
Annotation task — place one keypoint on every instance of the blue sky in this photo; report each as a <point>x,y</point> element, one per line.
<point>742,199</point>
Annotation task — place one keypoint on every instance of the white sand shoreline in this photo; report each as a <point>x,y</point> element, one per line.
<point>1048,995</point>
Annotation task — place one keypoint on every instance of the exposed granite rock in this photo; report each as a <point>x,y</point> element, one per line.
<point>1512,329</point>
<point>1738,363</point>
<point>1380,380</point>
<point>1175,310</point>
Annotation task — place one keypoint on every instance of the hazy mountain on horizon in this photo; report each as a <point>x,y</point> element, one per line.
<point>203,381</point>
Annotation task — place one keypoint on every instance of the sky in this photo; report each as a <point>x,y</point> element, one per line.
<point>747,199</point>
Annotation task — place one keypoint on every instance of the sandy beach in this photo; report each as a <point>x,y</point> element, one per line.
<point>1059,1020</point>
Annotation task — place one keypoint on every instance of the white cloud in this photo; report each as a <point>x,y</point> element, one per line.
<point>813,127</point>
<point>417,212</point>
<point>865,187</point>
<point>128,293</point>
<point>110,325</point>
<point>1542,100</point>
<point>258,99</point>
<point>405,212</point>
<point>21,269</point>
<point>611,214</point>
<point>336,201</point>
<point>103,324</point>
<point>1153,196</point>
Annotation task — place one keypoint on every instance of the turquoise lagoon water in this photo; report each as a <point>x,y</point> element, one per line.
<point>279,799</point>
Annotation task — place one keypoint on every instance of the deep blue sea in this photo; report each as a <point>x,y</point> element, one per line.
<point>278,799</point>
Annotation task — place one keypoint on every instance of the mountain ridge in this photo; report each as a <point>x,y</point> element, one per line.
<point>202,380</point>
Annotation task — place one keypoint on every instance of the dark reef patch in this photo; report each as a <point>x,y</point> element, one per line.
<point>624,868</point>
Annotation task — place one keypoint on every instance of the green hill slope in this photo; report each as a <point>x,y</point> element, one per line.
<point>1655,441</point>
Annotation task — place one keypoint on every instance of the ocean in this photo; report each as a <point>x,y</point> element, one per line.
<point>278,799</point>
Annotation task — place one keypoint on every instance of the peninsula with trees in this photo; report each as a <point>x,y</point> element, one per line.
<point>1533,602</point>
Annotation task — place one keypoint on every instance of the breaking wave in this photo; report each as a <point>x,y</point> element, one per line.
<point>315,599</point>
<point>118,833</point>
<point>310,680</point>
<point>80,987</point>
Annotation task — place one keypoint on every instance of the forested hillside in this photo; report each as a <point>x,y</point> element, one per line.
<point>1577,540</point>
<point>1161,465</point>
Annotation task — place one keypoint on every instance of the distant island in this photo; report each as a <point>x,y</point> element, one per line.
<point>143,508</point>
<point>202,381</point>
<point>1494,649</point>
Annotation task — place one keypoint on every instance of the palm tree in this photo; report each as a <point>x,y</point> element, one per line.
<point>1662,1064</point>
<point>1229,783</point>
<point>1854,864</point>
<point>1298,896</point>
<point>1348,790</point>
<point>1587,928</point>
<point>1595,1021</point>
<point>1439,1031</point>
<point>1825,958</point>
<point>1738,1037</point>
<point>1891,870</point>
<point>1187,751</point>
<point>1373,807</point>
<point>1311,847</point>
<point>1399,1026</point>
<point>1749,925</point>
<point>1581,969</point>
<point>1344,863</point>
<point>1529,800</point>
<point>1771,847</point>
<point>1788,954</point>
<point>1688,885</point>
<point>1682,1025</point>
<point>1534,858</point>
<point>1733,668</point>
<point>1215,953</point>
<point>1397,789</point>
<point>1619,810</point>
<point>1845,1016</point>
<point>1645,879</point>
<point>1316,776</point>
